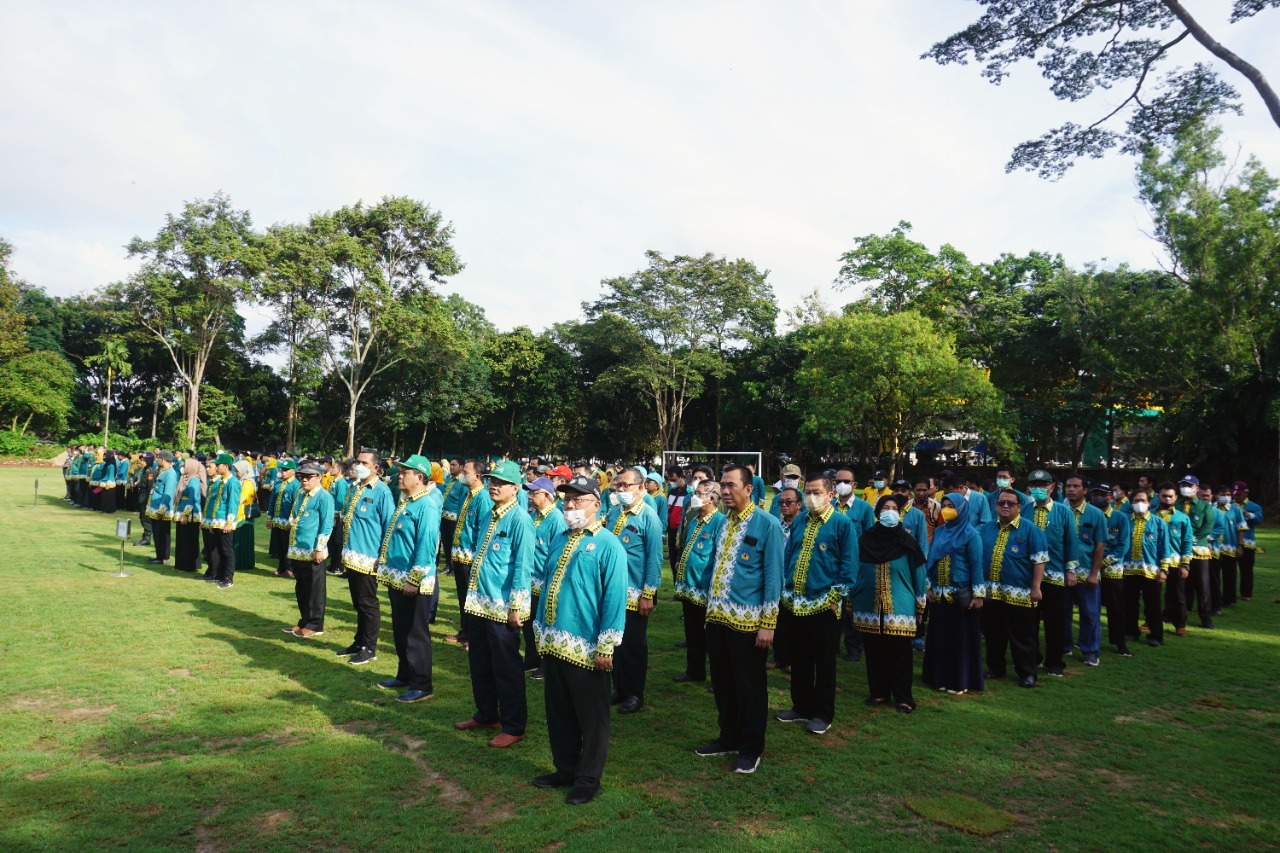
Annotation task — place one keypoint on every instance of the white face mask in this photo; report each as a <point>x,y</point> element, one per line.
<point>625,498</point>
<point>1140,507</point>
<point>844,489</point>
<point>695,502</point>
<point>890,518</point>
<point>1187,491</point>
<point>791,482</point>
<point>815,503</point>
<point>613,499</point>
<point>362,472</point>
<point>576,518</point>
<point>1224,500</point>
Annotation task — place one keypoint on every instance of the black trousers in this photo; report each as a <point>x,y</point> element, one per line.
<point>1245,561</point>
<point>276,543</point>
<point>310,589</point>
<point>577,701</point>
<point>1053,613</point>
<point>532,659</point>
<point>812,640</point>
<point>1147,591</point>
<point>364,600</point>
<point>461,580</point>
<point>1175,598</point>
<point>1012,628</point>
<point>1199,596</point>
<point>695,638</point>
<point>335,548</point>
<point>631,659</point>
<point>186,550</point>
<point>447,529</point>
<point>160,535</point>
<point>1113,600</point>
<point>224,544</point>
<point>148,525</point>
<point>212,557</point>
<point>1215,585</point>
<point>889,666</point>
<point>497,681</point>
<point>738,679</point>
<point>411,626</point>
<point>1228,563</point>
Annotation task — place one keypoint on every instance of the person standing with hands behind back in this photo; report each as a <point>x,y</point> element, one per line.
<point>310,526</point>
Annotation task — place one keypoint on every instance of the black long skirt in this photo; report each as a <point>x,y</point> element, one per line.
<point>107,502</point>
<point>186,547</point>
<point>953,649</point>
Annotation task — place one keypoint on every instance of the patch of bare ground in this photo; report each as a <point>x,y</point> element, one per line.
<point>57,708</point>
<point>663,790</point>
<point>206,839</point>
<point>269,822</point>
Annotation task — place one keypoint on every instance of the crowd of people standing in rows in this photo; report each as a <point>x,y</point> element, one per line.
<point>567,562</point>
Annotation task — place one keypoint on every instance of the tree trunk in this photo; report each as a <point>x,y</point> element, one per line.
<point>155,412</point>
<point>291,422</point>
<point>106,411</point>
<point>422,442</point>
<point>351,424</point>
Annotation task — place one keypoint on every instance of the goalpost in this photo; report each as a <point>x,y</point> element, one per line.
<point>689,457</point>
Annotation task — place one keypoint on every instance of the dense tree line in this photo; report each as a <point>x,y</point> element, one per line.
<point>1019,357</point>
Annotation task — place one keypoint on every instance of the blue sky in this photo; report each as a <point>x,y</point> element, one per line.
<point>561,139</point>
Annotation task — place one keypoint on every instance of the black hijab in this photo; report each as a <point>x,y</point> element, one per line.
<point>881,544</point>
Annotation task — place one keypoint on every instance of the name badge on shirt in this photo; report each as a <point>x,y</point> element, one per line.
<point>1013,549</point>
<point>591,546</point>
<point>497,546</point>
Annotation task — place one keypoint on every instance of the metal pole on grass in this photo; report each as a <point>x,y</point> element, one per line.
<point>122,533</point>
<point>36,497</point>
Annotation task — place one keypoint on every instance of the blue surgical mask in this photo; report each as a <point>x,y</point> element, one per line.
<point>1003,482</point>
<point>890,518</point>
<point>625,498</point>
<point>879,484</point>
<point>1040,494</point>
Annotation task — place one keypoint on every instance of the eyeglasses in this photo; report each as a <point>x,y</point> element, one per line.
<point>576,499</point>
<point>1006,503</point>
<point>788,502</point>
<point>850,482</point>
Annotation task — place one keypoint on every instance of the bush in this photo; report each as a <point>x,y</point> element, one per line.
<point>13,444</point>
<point>126,441</point>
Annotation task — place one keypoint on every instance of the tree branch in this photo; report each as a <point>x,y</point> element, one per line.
<point>1146,66</point>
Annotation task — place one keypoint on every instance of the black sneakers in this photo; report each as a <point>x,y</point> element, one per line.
<point>362,657</point>
<point>746,764</point>
<point>348,651</point>
<point>714,748</point>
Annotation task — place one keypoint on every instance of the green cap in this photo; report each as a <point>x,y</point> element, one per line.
<point>1039,476</point>
<point>507,472</point>
<point>419,463</point>
<point>225,459</point>
<point>287,465</point>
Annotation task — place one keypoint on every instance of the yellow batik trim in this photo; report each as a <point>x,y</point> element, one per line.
<point>207,520</point>
<point>893,624</point>
<point>997,553</point>
<point>794,598</point>
<point>742,617</point>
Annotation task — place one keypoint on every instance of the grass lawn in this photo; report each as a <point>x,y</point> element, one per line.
<point>158,712</point>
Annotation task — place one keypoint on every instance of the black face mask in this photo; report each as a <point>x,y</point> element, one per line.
<point>1101,503</point>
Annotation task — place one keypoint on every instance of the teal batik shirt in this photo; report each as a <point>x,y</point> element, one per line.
<point>547,526</point>
<point>887,598</point>
<point>692,572</point>
<point>310,525</point>
<point>408,552</point>
<point>466,538</point>
<point>281,507</point>
<point>454,493</point>
<point>1148,551</point>
<point>1091,528</point>
<point>917,527</point>
<point>861,513</point>
<point>821,556</point>
<point>122,471</point>
<point>101,477</point>
<point>189,504</point>
<point>1119,536</point>
<point>365,517</point>
<point>583,609</point>
<point>163,495</point>
<point>960,568</point>
<point>222,503</point>
<point>1059,526</point>
<point>746,581</point>
<point>1181,538</point>
<point>1233,524</point>
<point>339,489</point>
<point>1010,553</point>
<point>503,563</point>
<point>1252,518</point>
<point>639,530</point>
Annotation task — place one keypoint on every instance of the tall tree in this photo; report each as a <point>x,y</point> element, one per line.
<point>113,360</point>
<point>199,265</point>
<point>13,320</point>
<point>383,261</point>
<point>1084,47</point>
<point>688,309</point>
<point>35,392</point>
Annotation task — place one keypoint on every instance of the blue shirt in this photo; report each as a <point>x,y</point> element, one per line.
<point>365,517</point>
<point>1059,526</point>
<point>162,504</point>
<point>466,536</point>
<point>408,552</point>
<point>547,526</point>
<point>310,524</point>
<point>222,503</point>
<point>641,533</point>
<point>821,557</point>
<point>280,509</point>
<point>1091,528</point>
<point>1148,550</point>
<point>692,571</point>
<point>1010,554</point>
<point>861,513</point>
<point>746,581</point>
<point>503,563</point>
<point>582,612</point>
<point>1119,532</point>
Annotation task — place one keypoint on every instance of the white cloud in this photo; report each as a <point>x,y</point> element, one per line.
<point>562,140</point>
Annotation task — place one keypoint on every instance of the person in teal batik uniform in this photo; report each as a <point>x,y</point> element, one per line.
<point>641,532</point>
<point>957,590</point>
<point>1060,572</point>
<point>475,503</point>
<point>1252,513</point>
<point>407,568</point>
<point>1230,544</point>
<point>1145,569</point>
<point>498,604</point>
<point>161,504</point>
<point>579,623</point>
<point>1202,515</point>
<point>548,523</point>
<point>338,490</point>
<point>365,517</point>
<point>1181,550</point>
<point>279,511</point>
<point>221,509</point>
<point>310,526</point>
<point>1014,554</point>
<point>692,574</point>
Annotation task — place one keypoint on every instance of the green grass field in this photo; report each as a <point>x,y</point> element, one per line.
<point>157,712</point>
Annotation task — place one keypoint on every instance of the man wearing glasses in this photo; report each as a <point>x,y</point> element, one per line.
<point>639,529</point>
<point>579,624</point>
<point>742,613</point>
<point>310,525</point>
<point>1014,551</point>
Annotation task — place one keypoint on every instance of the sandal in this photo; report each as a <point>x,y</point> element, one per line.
<point>904,708</point>
<point>874,702</point>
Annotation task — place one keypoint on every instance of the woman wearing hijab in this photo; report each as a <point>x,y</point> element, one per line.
<point>192,487</point>
<point>888,602</point>
<point>242,543</point>
<point>107,500</point>
<point>957,588</point>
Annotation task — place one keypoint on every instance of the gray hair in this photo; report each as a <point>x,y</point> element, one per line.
<point>710,489</point>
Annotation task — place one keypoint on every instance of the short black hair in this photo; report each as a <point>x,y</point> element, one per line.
<point>377,457</point>
<point>705,469</point>
<point>925,480</point>
<point>1167,485</point>
<point>743,471</point>
<point>952,482</point>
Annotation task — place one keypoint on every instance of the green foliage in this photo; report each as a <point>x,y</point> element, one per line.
<point>35,392</point>
<point>13,321</point>
<point>1100,47</point>
<point>17,444</point>
<point>897,380</point>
